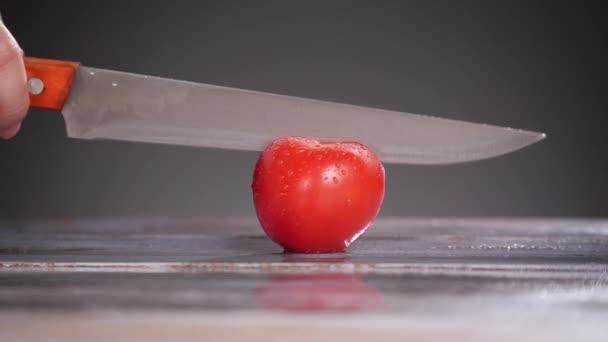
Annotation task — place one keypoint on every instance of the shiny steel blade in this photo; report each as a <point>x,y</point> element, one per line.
<point>115,105</point>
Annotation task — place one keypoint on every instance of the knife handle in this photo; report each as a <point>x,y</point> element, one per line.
<point>49,82</point>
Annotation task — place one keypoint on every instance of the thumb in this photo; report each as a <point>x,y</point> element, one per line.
<point>14,97</point>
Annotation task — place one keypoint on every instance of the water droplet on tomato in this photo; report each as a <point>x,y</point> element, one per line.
<point>343,172</point>
<point>280,162</point>
<point>289,173</point>
<point>301,151</point>
<point>335,179</point>
<point>319,157</point>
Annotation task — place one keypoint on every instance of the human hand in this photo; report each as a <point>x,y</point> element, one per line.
<point>14,97</point>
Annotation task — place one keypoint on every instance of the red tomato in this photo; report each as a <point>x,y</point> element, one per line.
<point>312,197</point>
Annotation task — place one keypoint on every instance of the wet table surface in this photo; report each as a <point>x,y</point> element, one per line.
<point>221,279</point>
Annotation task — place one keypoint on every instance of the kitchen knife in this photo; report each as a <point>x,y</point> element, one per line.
<point>115,105</point>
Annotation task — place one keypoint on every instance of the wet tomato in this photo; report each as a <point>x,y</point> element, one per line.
<point>313,197</point>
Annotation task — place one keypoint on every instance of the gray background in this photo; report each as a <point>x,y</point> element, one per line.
<point>525,64</point>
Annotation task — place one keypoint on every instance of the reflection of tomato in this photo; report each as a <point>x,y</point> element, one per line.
<point>318,292</point>
<point>318,259</point>
<point>316,197</point>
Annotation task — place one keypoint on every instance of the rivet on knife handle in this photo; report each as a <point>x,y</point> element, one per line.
<point>49,81</point>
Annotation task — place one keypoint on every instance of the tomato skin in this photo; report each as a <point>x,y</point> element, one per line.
<point>312,197</point>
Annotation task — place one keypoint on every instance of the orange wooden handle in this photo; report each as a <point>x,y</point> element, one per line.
<point>56,76</point>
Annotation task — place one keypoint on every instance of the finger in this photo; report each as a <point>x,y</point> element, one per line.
<point>10,132</point>
<point>14,97</point>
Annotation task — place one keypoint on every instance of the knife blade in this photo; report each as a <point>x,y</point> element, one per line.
<point>115,105</point>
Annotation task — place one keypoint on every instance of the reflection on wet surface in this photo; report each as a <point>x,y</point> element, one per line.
<point>293,292</point>
<point>518,276</point>
<point>318,293</point>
